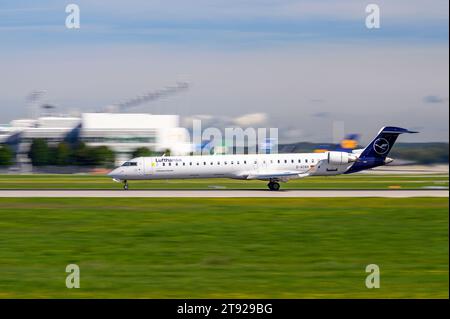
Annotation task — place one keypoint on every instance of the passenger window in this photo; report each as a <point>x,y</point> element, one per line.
<point>212,163</point>
<point>231,162</point>
<point>204,163</point>
<point>285,161</point>
<point>164,164</point>
<point>184,164</point>
<point>237,162</point>
<point>190,163</point>
<point>256,162</point>
<point>198,163</point>
<point>218,163</point>
<point>225,163</point>
<point>312,161</point>
<point>306,160</point>
<point>278,161</point>
<point>245,162</point>
<point>299,160</point>
<point>170,164</point>
<point>292,161</point>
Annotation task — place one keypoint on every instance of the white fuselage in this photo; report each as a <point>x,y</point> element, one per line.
<point>270,167</point>
<point>276,167</point>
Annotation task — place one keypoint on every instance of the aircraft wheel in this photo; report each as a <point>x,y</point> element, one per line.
<point>273,186</point>
<point>125,186</point>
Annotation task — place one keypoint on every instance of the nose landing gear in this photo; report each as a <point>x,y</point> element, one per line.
<point>273,186</point>
<point>125,185</point>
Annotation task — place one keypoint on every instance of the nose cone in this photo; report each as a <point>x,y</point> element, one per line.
<point>113,173</point>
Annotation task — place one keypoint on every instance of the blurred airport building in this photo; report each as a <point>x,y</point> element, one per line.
<point>113,126</point>
<point>121,132</point>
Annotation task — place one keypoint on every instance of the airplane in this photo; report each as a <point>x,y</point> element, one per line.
<point>274,168</point>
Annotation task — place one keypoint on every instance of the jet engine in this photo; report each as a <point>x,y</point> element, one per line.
<point>340,158</point>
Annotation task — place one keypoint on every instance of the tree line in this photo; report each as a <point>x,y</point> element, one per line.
<point>67,154</point>
<point>6,156</point>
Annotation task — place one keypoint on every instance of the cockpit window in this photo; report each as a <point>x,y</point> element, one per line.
<point>129,164</point>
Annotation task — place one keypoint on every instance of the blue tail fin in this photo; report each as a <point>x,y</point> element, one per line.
<point>376,152</point>
<point>382,144</point>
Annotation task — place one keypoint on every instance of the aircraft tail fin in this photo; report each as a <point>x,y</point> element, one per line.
<point>382,144</point>
<point>375,154</point>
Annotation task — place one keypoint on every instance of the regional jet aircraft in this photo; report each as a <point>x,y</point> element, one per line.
<point>274,168</point>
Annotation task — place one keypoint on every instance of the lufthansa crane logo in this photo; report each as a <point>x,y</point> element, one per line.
<point>381,146</point>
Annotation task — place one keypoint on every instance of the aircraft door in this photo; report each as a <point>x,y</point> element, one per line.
<point>255,163</point>
<point>149,165</point>
<point>139,168</point>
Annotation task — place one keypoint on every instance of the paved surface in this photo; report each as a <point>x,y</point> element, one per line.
<point>408,169</point>
<point>224,193</point>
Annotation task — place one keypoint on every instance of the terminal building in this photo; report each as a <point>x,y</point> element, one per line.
<point>121,132</point>
<point>124,133</point>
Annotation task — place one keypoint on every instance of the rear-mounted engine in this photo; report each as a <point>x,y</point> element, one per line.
<point>340,158</point>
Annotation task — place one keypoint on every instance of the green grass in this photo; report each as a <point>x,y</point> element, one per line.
<point>211,248</point>
<point>103,182</point>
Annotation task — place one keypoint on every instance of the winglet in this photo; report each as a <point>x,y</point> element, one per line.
<point>396,130</point>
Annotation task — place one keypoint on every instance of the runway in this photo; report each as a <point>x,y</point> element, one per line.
<point>221,193</point>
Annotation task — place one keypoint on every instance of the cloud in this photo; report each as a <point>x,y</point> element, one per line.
<point>321,115</point>
<point>206,120</point>
<point>434,99</point>
<point>250,120</point>
<point>279,9</point>
<point>291,135</point>
<point>221,23</point>
<point>221,122</point>
<point>317,101</point>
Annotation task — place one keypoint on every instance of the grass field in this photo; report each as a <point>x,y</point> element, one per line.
<point>343,181</point>
<point>208,248</point>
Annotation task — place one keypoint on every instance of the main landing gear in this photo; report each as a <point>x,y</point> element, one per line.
<point>125,185</point>
<point>273,186</point>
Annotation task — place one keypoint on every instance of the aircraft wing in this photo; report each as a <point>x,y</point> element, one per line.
<point>281,176</point>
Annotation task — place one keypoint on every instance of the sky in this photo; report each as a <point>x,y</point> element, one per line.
<point>310,68</point>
